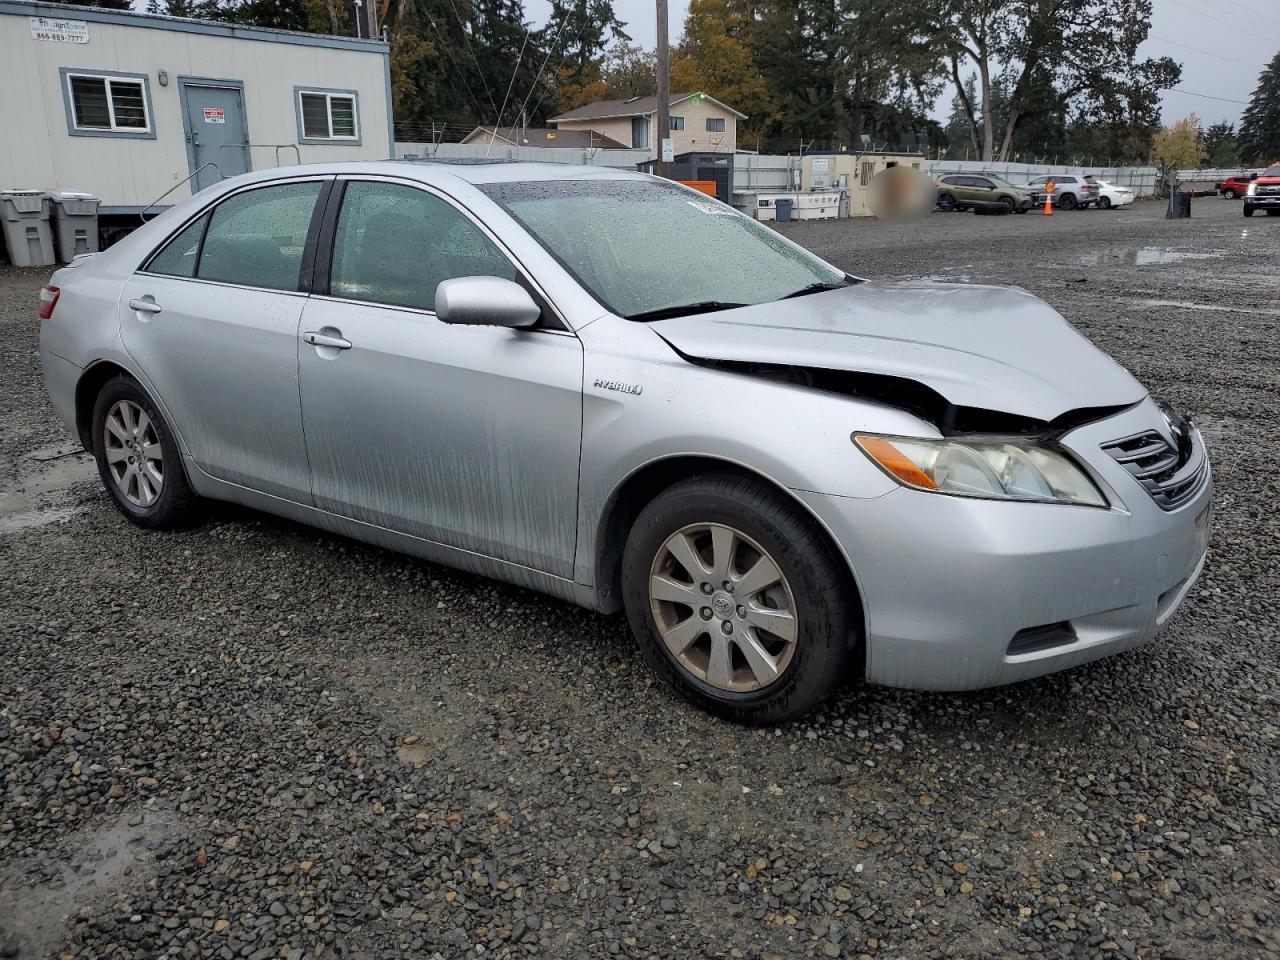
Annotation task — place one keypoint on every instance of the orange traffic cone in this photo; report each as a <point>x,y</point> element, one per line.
<point>1048,200</point>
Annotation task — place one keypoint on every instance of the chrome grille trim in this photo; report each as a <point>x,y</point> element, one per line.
<point>1171,475</point>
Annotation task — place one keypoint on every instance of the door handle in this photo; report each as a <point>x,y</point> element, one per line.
<point>318,339</point>
<point>144,305</point>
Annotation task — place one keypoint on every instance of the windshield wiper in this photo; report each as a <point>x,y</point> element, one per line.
<point>683,310</point>
<point>817,288</point>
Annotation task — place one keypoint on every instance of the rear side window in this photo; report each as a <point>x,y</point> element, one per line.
<point>257,238</point>
<point>178,257</point>
<point>395,244</point>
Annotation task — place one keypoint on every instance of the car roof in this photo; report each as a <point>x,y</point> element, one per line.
<point>441,172</point>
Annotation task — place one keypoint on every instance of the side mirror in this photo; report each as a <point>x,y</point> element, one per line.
<point>485,302</point>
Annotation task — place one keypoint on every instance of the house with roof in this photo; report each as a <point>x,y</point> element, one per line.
<point>578,139</point>
<point>699,123</point>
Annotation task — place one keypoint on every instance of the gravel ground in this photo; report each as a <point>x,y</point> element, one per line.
<point>255,740</point>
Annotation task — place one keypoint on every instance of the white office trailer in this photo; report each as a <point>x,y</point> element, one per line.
<point>135,109</point>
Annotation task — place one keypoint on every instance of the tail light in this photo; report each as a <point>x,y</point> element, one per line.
<point>48,300</point>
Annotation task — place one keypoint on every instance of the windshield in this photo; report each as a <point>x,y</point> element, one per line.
<point>1272,171</point>
<point>646,247</point>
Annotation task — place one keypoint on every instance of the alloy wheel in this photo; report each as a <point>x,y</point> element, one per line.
<point>723,607</point>
<point>134,456</point>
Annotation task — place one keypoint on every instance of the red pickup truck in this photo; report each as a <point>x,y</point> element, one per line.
<point>1263,193</point>
<point>1235,186</point>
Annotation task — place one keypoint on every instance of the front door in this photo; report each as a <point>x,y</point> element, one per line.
<point>216,130</point>
<point>463,435</point>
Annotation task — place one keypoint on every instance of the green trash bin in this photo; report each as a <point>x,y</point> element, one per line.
<point>25,216</point>
<point>75,223</point>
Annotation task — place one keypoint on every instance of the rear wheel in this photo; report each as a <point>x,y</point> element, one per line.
<point>1068,201</point>
<point>1104,203</point>
<point>1230,194</point>
<point>946,202</point>
<point>138,459</point>
<point>737,601</point>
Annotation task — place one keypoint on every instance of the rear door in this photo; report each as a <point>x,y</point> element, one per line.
<point>212,321</point>
<point>464,435</point>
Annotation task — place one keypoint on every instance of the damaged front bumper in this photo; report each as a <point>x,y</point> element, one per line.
<point>963,593</point>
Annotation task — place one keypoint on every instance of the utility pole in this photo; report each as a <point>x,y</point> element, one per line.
<point>664,87</point>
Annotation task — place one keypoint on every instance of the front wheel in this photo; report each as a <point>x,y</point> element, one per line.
<point>946,202</point>
<point>1230,194</point>
<point>737,601</point>
<point>1248,210</point>
<point>138,458</point>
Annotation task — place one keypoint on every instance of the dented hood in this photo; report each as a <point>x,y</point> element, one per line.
<point>992,348</point>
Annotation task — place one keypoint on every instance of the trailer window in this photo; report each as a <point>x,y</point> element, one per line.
<point>107,105</point>
<point>327,116</point>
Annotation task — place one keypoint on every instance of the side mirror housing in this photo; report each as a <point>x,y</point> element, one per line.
<point>486,302</point>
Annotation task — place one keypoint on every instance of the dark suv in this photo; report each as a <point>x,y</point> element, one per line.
<point>981,192</point>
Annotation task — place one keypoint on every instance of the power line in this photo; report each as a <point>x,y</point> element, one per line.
<point>1255,27</point>
<point>1206,96</point>
<point>1187,46</point>
<point>466,42</point>
<point>550,52</point>
<point>498,123</point>
<point>462,74</point>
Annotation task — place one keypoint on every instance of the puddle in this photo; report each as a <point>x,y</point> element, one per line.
<point>39,495</point>
<point>1211,307</point>
<point>1145,256</point>
<point>39,897</point>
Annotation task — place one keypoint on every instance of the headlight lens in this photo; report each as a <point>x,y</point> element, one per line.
<point>992,469</point>
<point>1251,190</point>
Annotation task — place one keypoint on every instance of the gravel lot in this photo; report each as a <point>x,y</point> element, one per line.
<point>255,740</point>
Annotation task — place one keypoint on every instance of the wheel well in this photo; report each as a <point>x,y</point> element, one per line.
<point>87,389</point>
<point>638,490</point>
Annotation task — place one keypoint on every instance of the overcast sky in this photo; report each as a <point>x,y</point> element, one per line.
<point>1230,49</point>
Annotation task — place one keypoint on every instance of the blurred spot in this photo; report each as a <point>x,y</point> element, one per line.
<point>901,193</point>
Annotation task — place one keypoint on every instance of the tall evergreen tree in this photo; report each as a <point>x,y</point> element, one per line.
<point>1259,140</point>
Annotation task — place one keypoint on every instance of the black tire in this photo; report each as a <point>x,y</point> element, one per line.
<point>1230,194</point>
<point>824,608</point>
<point>946,202</point>
<point>1005,206</point>
<point>1104,203</point>
<point>177,505</point>
<point>1067,201</point>
<point>1273,213</point>
<point>1248,210</point>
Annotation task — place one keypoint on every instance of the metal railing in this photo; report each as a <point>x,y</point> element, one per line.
<point>195,173</point>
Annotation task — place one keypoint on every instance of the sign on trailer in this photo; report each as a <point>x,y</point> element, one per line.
<point>59,30</point>
<point>215,115</point>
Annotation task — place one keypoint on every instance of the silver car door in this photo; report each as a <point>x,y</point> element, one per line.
<point>464,435</point>
<point>212,322</point>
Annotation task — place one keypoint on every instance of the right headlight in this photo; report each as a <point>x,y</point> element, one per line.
<point>990,469</point>
<point>1251,190</point>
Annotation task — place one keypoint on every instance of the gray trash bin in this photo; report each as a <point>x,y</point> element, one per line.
<point>75,223</point>
<point>25,215</point>
<point>782,207</point>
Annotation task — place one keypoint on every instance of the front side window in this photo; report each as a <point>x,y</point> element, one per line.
<point>107,105</point>
<point>395,244</point>
<point>641,246</point>
<point>715,124</point>
<point>328,115</point>
<point>257,238</point>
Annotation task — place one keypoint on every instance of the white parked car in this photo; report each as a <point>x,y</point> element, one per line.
<point>1109,195</point>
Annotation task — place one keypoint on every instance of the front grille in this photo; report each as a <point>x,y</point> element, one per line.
<point>1267,189</point>
<point>1171,474</point>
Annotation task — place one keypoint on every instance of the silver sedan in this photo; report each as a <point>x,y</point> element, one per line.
<point>613,389</point>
